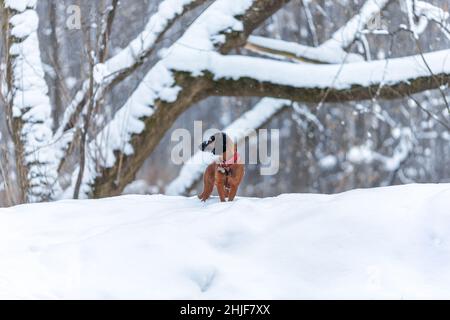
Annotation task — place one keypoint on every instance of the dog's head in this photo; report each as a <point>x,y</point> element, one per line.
<point>217,143</point>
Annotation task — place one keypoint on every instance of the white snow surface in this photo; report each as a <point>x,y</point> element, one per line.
<point>391,242</point>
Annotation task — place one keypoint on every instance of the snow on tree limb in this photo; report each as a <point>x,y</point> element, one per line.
<point>241,128</point>
<point>295,51</point>
<point>20,5</point>
<point>364,153</point>
<point>30,105</point>
<point>345,35</point>
<point>432,13</point>
<point>425,12</point>
<point>385,79</point>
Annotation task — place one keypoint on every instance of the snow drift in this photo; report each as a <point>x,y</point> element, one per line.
<point>378,243</point>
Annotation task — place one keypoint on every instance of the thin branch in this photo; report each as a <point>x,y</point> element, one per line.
<point>310,22</point>
<point>429,113</point>
<point>106,31</point>
<point>87,121</point>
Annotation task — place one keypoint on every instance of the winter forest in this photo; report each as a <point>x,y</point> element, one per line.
<point>92,90</point>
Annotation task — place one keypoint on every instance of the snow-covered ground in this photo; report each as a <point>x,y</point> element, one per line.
<point>389,242</point>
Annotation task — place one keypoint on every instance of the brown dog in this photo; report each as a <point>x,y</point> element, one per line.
<point>226,173</point>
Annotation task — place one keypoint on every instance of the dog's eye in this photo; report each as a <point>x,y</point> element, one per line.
<point>212,139</point>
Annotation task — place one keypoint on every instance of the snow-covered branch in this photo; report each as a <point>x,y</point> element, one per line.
<point>364,154</point>
<point>428,12</point>
<point>385,79</point>
<point>332,50</point>
<point>293,51</point>
<point>347,34</point>
<point>29,104</point>
<point>241,128</point>
<point>121,65</point>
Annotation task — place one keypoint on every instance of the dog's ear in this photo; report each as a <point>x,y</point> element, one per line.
<point>224,142</point>
<point>217,143</point>
<point>208,144</point>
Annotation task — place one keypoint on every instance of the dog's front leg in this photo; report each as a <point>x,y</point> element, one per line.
<point>234,181</point>
<point>220,184</point>
<point>208,183</point>
<point>234,185</point>
<point>233,191</point>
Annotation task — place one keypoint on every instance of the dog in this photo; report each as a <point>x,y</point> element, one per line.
<point>226,173</point>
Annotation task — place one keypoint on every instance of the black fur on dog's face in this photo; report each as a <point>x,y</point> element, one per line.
<point>216,144</point>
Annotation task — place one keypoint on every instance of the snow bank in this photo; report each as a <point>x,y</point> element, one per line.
<point>378,243</point>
